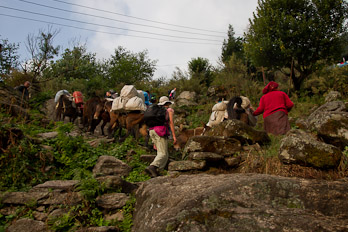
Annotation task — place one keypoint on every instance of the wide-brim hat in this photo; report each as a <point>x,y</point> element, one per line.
<point>164,100</point>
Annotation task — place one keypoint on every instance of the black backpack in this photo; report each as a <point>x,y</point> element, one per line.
<point>155,115</point>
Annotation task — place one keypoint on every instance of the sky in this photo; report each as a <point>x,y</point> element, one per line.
<point>172,31</point>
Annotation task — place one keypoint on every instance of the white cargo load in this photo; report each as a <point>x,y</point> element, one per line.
<point>119,103</point>
<point>128,91</point>
<point>135,103</point>
<point>141,95</point>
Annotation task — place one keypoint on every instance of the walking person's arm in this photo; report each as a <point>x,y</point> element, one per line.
<point>171,125</point>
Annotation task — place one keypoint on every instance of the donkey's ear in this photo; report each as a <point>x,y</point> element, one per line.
<point>181,127</point>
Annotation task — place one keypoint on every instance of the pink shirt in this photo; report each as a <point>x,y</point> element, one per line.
<point>272,102</point>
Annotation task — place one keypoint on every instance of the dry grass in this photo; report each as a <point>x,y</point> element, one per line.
<point>255,163</point>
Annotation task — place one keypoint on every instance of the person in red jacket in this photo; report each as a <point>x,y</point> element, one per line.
<point>274,105</point>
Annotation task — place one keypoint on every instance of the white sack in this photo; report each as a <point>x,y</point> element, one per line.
<point>135,103</point>
<point>128,91</point>
<point>221,106</point>
<point>141,95</point>
<point>119,103</point>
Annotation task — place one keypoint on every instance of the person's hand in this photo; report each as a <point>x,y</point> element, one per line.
<point>174,140</point>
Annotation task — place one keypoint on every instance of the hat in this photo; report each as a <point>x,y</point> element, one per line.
<point>270,87</point>
<point>164,100</point>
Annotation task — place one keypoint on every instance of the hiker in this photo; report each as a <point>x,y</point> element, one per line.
<point>24,89</point>
<point>147,98</point>
<point>172,94</point>
<point>159,136</point>
<point>111,94</point>
<point>274,105</point>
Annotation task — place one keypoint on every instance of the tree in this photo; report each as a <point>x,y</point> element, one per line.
<point>201,69</point>
<point>126,67</point>
<point>75,63</point>
<point>298,32</point>
<point>8,57</point>
<point>41,50</point>
<point>231,46</point>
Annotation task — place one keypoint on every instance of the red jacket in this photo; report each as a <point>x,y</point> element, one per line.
<point>272,102</point>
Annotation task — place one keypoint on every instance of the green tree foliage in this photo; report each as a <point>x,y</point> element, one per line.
<point>231,46</point>
<point>75,63</point>
<point>8,57</point>
<point>201,69</point>
<point>298,31</point>
<point>126,67</point>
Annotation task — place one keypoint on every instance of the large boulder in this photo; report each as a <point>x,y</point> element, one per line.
<point>186,98</point>
<point>299,147</point>
<point>331,122</point>
<point>239,130</point>
<point>240,202</point>
<point>49,108</point>
<point>214,144</point>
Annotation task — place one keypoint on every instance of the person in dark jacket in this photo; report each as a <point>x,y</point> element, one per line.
<point>274,105</point>
<point>24,89</point>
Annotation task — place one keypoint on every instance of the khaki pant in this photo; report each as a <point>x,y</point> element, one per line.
<point>162,156</point>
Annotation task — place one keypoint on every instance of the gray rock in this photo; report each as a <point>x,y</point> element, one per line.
<point>49,108</point>
<point>233,161</point>
<point>215,144</point>
<point>109,165</point>
<point>27,225</point>
<point>240,202</point>
<point>187,165</point>
<point>332,127</point>
<point>186,98</point>
<point>66,185</point>
<point>147,158</point>
<point>58,198</point>
<point>57,213</point>
<point>240,131</point>
<point>299,147</point>
<point>333,96</point>
<point>48,135</point>
<point>110,181</point>
<point>112,201</point>
<point>115,182</point>
<point>208,156</point>
<point>40,216</point>
<point>22,198</point>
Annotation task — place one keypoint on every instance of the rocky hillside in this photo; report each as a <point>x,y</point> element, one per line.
<point>222,181</point>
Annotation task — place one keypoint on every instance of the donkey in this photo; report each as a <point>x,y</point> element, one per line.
<point>65,108</point>
<point>236,111</point>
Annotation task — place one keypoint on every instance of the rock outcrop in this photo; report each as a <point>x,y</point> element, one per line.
<point>240,202</point>
<point>330,121</point>
<point>240,131</point>
<point>186,98</point>
<point>299,147</point>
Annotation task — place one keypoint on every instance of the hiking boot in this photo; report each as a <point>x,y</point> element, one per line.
<point>152,171</point>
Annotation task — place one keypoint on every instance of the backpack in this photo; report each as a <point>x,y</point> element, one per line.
<point>155,115</point>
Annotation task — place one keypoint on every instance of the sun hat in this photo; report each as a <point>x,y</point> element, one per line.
<point>164,100</point>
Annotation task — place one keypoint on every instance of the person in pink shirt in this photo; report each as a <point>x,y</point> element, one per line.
<point>274,105</point>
